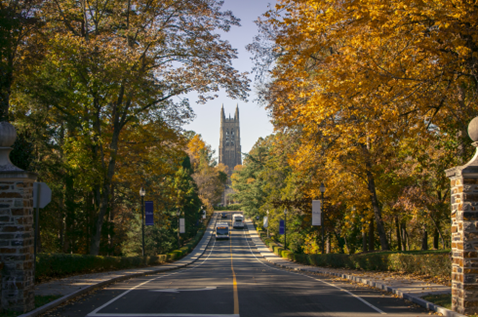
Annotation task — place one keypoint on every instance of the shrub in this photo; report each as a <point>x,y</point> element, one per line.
<point>429,263</point>
<point>58,265</point>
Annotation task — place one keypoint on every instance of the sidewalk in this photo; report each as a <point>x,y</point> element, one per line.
<point>409,289</point>
<point>74,286</point>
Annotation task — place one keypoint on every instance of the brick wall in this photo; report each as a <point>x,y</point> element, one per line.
<point>16,244</point>
<point>1,269</point>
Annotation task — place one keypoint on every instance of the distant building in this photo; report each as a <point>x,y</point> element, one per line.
<point>229,147</point>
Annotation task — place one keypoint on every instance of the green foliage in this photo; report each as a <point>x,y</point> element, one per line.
<point>229,207</point>
<point>159,239</point>
<point>58,265</point>
<point>432,263</point>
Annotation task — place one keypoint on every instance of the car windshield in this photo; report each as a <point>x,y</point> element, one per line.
<point>222,232</point>
<point>239,219</point>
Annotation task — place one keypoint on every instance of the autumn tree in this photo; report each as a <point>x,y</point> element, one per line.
<point>110,65</point>
<point>358,79</point>
<point>209,176</point>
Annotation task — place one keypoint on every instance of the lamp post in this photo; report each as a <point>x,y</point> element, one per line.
<point>285,228</point>
<point>142,193</point>
<point>322,190</point>
<point>178,213</point>
<point>268,221</point>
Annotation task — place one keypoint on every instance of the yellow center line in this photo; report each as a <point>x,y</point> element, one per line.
<point>234,283</point>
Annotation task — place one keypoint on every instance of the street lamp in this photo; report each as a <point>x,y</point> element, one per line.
<point>322,190</point>
<point>178,213</point>
<point>285,228</point>
<point>142,193</point>
<point>268,222</point>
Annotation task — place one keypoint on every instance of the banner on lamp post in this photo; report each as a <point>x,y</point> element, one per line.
<point>266,222</point>
<point>282,227</point>
<point>316,212</point>
<point>182,225</point>
<point>149,213</point>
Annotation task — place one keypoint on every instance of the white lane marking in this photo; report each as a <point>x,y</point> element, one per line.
<point>177,290</point>
<point>330,284</point>
<point>95,312</point>
<point>168,315</point>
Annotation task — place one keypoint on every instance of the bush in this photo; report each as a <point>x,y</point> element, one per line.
<point>433,263</point>
<point>228,207</point>
<point>60,265</point>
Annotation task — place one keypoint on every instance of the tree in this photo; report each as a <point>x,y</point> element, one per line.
<point>358,79</point>
<point>209,177</point>
<point>110,65</point>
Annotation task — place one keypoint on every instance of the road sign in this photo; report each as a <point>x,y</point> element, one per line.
<point>316,212</point>
<point>266,222</point>
<point>149,213</point>
<point>182,226</point>
<point>41,195</point>
<point>281,227</point>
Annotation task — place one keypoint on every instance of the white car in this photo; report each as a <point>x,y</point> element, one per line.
<point>238,221</point>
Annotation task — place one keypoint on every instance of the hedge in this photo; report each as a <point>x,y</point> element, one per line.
<point>429,263</point>
<point>58,265</point>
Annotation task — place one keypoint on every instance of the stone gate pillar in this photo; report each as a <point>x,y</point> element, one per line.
<point>16,231</point>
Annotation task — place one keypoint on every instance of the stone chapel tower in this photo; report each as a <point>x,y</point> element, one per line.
<point>230,140</point>
<point>229,147</point>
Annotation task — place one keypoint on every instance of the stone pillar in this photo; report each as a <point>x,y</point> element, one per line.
<point>464,231</point>
<point>16,231</point>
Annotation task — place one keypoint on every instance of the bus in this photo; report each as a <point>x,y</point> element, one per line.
<point>237,221</point>
<point>222,230</point>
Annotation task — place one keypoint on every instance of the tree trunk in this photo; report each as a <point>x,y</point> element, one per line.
<point>6,81</point>
<point>399,241</point>
<point>104,199</point>
<point>371,238</point>
<point>436,236</point>
<point>327,245</point>
<point>425,238</point>
<point>364,240</point>
<point>404,236</point>
<point>377,210</point>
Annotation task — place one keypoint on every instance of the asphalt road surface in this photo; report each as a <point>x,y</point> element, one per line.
<point>230,279</point>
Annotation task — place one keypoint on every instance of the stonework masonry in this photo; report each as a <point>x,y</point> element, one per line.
<point>16,228</point>
<point>1,269</point>
<point>16,241</point>
<point>229,148</point>
<point>464,234</point>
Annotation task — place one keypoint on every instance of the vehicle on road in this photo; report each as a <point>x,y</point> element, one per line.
<point>224,215</point>
<point>222,230</point>
<point>238,221</point>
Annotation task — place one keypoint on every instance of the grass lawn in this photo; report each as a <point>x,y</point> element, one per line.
<point>39,301</point>
<point>443,300</point>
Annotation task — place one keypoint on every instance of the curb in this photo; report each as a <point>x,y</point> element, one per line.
<point>61,300</point>
<point>417,300</point>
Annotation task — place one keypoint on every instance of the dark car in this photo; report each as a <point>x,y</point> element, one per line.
<point>224,215</point>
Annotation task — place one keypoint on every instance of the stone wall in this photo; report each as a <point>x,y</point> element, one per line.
<point>16,243</point>
<point>1,269</point>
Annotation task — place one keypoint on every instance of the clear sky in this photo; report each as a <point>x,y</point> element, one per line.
<point>254,122</point>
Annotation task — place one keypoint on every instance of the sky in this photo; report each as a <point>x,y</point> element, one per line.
<point>254,121</point>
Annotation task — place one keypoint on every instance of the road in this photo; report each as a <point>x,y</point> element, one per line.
<point>231,280</point>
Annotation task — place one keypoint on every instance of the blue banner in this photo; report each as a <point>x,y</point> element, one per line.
<point>149,213</point>
<point>282,227</point>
